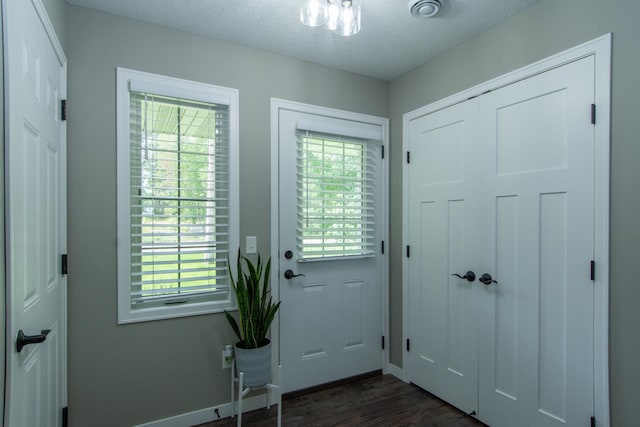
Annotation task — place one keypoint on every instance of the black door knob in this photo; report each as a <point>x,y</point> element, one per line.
<point>290,275</point>
<point>487,279</point>
<point>469,275</point>
<point>23,339</point>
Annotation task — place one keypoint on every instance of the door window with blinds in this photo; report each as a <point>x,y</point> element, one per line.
<point>336,195</point>
<point>177,196</point>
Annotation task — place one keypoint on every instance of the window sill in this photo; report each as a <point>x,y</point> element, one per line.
<point>149,314</point>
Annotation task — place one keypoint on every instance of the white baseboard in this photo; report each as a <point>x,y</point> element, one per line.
<point>249,404</point>
<point>209,414</point>
<point>395,371</point>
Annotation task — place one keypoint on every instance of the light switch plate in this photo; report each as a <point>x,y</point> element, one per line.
<point>251,245</point>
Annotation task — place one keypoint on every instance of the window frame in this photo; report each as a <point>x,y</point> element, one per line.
<point>369,169</point>
<point>130,80</point>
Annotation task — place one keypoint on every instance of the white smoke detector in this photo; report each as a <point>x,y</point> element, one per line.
<point>424,8</point>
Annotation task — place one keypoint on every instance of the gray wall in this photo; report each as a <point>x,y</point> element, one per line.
<point>123,375</point>
<point>158,369</point>
<point>544,29</point>
<point>57,14</point>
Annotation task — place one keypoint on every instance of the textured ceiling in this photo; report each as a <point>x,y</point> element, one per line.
<point>390,43</point>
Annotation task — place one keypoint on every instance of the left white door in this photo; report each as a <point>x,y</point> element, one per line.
<point>443,224</point>
<point>36,217</point>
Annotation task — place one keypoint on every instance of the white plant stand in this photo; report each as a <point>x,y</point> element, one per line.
<point>242,392</point>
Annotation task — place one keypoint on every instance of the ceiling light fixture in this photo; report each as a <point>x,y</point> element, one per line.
<point>340,16</point>
<point>424,8</point>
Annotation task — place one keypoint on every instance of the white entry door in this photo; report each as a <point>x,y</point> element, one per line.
<point>443,218</point>
<point>537,241</point>
<point>503,185</point>
<point>330,222</point>
<point>36,217</point>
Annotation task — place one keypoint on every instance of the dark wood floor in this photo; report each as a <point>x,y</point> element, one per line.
<point>382,400</point>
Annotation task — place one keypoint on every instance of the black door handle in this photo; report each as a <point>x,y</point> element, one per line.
<point>487,279</point>
<point>469,275</point>
<point>290,275</point>
<point>23,339</point>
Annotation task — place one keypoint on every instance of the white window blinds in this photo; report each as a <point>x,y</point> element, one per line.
<point>179,200</point>
<point>336,201</point>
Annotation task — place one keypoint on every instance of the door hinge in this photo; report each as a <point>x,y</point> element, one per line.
<point>593,270</point>
<point>63,264</point>
<point>65,416</point>
<point>593,421</point>
<point>63,109</point>
<point>408,344</point>
<point>382,246</point>
<point>408,156</point>
<point>382,151</point>
<point>408,251</point>
<point>593,114</point>
<point>383,342</point>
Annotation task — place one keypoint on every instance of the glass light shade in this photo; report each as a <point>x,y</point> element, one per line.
<point>349,22</point>
<point>313,12</point>
<point>427,10</point>
<point>334,7</point>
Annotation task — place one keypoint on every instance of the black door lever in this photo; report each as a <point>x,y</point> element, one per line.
<point>469,275</point>
<point>487,279</point>
<point>290,275</point>
<point>23,339</point>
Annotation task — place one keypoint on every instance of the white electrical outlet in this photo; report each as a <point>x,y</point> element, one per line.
<point>227,356</point>
<point>225,364</point>
<point>251,245</point>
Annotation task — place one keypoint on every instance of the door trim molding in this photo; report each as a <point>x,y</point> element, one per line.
<point>600,49</point>
<point>276,106</point>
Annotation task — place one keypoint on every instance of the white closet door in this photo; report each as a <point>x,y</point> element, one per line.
<point>443,229</point>
<point>537,240</point>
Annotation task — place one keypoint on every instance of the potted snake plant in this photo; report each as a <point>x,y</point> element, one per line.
<point>256,311</point>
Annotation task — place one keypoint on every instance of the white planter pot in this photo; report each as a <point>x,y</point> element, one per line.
<point>255,363</point>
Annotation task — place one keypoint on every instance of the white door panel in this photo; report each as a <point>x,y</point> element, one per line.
<point>330,318</point>
<point>443,206</point>
<point>537,234</point>
<point>36,205</point>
